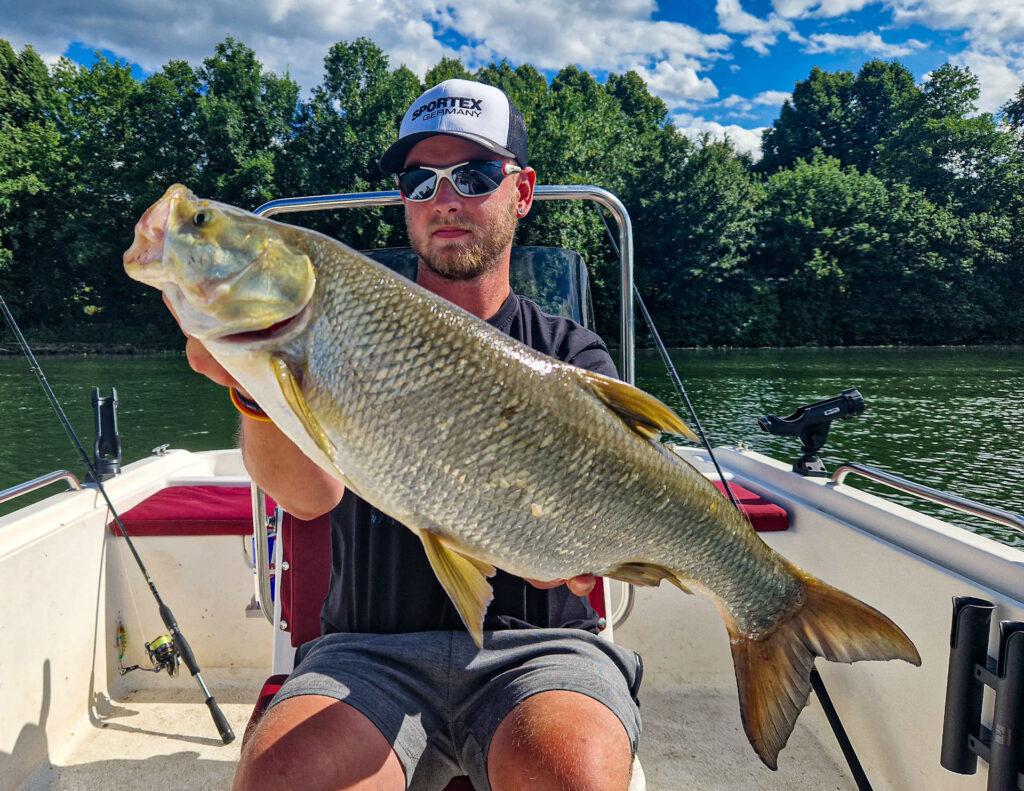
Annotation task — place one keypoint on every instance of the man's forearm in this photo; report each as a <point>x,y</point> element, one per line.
<point>283,471</point>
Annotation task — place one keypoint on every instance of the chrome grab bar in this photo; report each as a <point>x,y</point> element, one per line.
<point>39,483</point>
<point>542,192</point>
<point>998,515</point>
<point>261,553</point>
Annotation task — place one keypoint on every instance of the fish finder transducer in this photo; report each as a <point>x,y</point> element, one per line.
<point>811,423</point>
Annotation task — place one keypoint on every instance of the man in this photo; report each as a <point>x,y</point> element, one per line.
<point>395,694</point>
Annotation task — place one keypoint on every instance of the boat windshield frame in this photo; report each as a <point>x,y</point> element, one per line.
<point>544,192</point>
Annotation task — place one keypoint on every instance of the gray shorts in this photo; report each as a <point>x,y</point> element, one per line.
<point>438,700</point>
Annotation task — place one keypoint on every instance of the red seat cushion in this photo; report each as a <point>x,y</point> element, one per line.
<point>306,549</point>
<point>763,514</point>
<point>270,688</point>
<point>192,511</point>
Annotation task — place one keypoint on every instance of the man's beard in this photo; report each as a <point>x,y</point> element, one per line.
<point>465,262</point>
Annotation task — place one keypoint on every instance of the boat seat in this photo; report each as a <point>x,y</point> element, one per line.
<point>303,582</point>
<point>194,510</point>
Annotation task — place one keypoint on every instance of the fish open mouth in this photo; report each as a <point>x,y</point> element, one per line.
<point>271,333</point>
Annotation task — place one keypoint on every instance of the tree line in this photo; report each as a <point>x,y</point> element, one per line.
<point>882,210</point>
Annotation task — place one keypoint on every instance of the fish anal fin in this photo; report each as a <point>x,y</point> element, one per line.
<point>292,392</point>
<point>647,574</point>
<point>641,411</point>
<point>773,673</point>
<point>464,579</point>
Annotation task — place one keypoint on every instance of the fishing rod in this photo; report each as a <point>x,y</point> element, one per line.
<point>672,373</point>
<point>180,644</point>
<point>817,683</point>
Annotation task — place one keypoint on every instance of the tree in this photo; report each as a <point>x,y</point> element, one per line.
<point>341,132</point>
<point>948,150</point>
<point>815,118</point>
<point>855,260</point>
<point>30,158</point>
<point>446,69</point>
<point>244,118</point>
<point>695,227</point>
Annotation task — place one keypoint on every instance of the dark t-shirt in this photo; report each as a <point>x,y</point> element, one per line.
<point>381,581</point>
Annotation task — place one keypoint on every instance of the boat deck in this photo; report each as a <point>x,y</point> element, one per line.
<point>163,734</point>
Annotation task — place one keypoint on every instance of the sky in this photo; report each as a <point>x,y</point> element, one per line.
<point>721,66</point>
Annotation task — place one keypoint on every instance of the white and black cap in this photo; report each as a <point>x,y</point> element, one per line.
<point>471,110</point>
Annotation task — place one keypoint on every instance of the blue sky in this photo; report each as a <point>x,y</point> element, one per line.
<point>722,66</point>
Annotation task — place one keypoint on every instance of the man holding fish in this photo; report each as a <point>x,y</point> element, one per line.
<point>396,693</point>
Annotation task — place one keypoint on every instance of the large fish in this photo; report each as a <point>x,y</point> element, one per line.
<point>493,454</point>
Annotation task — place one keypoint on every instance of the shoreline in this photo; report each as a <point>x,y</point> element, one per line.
<point>10,349</point>
<point>82,348</point>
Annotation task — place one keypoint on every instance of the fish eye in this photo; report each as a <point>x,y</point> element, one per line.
<point>202,217</point>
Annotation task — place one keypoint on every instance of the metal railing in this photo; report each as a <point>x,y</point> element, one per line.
<point>544,192</point>
<point>972,507</point>
<point>261,552</point>
<point>39,483</point>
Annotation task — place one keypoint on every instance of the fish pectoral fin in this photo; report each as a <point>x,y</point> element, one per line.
<point>641,411</point>
<point>464,578</point>
<point>292,391</point>
<point>647,574</point>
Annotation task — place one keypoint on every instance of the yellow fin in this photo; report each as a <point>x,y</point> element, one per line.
<point>773,672</point>
<point>641,411</point>
<point>647,574</point>
<point>292,392</point>
<point>464,579</point>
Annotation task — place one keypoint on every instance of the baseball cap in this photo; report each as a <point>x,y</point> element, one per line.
<point>471,110</point>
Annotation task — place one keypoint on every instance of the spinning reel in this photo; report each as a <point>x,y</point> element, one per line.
<point>162,652</point>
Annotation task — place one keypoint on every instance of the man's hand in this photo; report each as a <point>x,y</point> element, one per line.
<point>201,360</point>
<point>581,585</point>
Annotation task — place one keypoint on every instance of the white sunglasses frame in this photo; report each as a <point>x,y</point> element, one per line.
<point>507,169</point>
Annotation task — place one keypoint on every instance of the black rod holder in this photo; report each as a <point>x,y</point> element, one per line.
<point>968,648</point>
<point>964,737</point>
<point>1007,744</point>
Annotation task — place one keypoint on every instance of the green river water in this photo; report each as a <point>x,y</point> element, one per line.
<point>952,418</point>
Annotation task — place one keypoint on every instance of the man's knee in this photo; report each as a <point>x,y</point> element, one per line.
<point>560,739</point>
<point>314,742</point>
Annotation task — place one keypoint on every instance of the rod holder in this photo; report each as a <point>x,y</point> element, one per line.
<point>964,737</point>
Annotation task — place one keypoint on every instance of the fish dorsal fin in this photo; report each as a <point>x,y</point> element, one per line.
<point>642,412</point>
<point>292,392</point>
<point>464,579</point>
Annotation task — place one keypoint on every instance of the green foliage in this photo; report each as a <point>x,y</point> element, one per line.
<point>882,211</point>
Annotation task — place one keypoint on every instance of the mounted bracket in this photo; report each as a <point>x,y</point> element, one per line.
<point>811,423</point>
<point>964,737</point>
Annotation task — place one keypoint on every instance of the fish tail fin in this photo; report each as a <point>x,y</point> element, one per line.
<point>773,673</point>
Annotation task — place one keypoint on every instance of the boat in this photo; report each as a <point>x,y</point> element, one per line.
<point>78,614</point>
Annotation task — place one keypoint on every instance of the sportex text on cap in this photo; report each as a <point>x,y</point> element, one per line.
<point>471,110</point>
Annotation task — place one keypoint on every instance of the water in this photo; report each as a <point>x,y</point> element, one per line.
<point>952,418</point>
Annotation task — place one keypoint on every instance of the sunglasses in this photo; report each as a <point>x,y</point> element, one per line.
<point>470,179</point>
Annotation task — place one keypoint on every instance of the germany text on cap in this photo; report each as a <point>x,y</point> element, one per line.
<point>476,112</point>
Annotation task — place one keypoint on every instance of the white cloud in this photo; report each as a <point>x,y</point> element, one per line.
<point>866,42</point>
<point>295,35</point>
<point>994,30</point>
<point>761,33</point>
<point>997,78</point>
<point>790,9</point>
<point>745,140</point>
<point>292,36</point>
<point>771,98</point>
<point>985,21</point>
<point>742,107</point>
<point>603,35</point>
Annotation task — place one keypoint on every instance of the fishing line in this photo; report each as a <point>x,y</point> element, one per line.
<point>180,643</point>
<point>672,373</point>
<point>856,769</point>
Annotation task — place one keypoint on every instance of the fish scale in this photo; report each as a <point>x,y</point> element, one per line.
<point>493,454</point>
